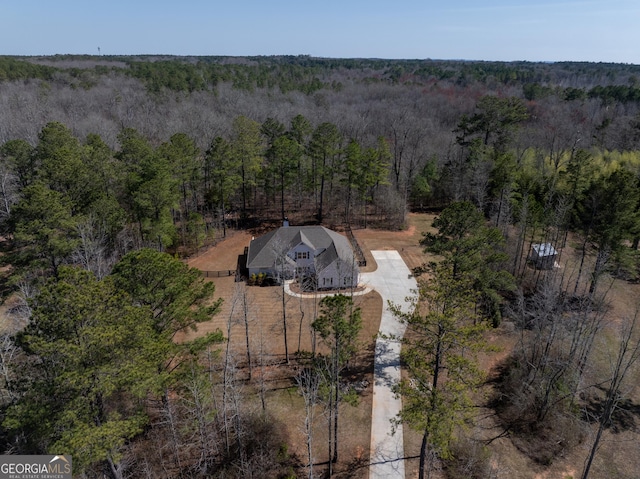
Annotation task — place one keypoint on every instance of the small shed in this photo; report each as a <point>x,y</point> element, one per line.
<point>543,255</point>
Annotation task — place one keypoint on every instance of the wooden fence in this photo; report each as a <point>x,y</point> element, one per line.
<point>356,247</point>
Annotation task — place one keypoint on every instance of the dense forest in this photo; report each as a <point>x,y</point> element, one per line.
<point>109,163</point>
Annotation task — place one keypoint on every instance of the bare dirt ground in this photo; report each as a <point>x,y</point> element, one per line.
<point>407,242</point>
<point>619,456</point>
<point>266,333</point>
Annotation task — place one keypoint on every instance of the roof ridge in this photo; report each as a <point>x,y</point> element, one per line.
<point>306,240</point>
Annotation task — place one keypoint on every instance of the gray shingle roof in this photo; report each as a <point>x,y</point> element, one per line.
<point>263,251</point>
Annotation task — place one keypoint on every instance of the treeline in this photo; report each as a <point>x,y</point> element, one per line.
<point>177,76</point>
<point>607,94</point>
<point>309,74</point>
<point>65,200</point>
<point>416,113</point>
<point>12,69</point>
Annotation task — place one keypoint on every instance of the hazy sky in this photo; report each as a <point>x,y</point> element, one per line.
<point>534,30</point>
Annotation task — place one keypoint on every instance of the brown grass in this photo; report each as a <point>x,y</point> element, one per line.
<point>618,456</point>
<point>407,242</point>
<point>266,333</point>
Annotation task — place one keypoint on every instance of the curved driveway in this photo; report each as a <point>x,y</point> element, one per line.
<point>394,282</point>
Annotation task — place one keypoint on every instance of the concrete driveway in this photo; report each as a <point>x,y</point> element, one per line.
<point>394,282</point>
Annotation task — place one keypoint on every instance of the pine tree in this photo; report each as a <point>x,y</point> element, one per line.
<point>90,358</point>
<point>474,254</point>
<point>438,351</point>
<point>338,325</point>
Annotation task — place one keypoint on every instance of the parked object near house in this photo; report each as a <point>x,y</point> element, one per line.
<point>314,255</point>
<point>543,255</point>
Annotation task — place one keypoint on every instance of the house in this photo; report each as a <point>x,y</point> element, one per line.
<point>543,255</point>
<point>315,255</point>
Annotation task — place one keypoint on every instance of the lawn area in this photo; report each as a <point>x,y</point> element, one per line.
<point>618,456</point>
<point>266,336</point>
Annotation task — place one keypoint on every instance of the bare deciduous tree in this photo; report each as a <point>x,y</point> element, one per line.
<point>92,252</point>
<point>627,355</point>
<point>308,381</point>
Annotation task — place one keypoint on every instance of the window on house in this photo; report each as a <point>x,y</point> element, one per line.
<point>302,255</point>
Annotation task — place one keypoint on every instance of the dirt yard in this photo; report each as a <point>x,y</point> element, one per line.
<point>619,455</point>
<point>266,331</point>
<point>407,242</point>
<point>264,313</point>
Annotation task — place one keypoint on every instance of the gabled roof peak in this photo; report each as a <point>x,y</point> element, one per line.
<point>264,250</point>
<point>306,240</point>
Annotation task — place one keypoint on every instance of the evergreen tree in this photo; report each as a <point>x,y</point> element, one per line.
<point>223,177</point>
<point>493,123</point>
<point>338,325</point>
<point>20,159</point>
<point>150,190</point>
<point>59,157</point>
<point>178,296</point>
<point>285,155</point>
<point>323,149</point>
<point>247,148</point>
<point>439,353</point>
<point>43,227</point>
<point>607,215</point>
<point>185,163</point>
<point>474,254</point>
<point>90,358</point>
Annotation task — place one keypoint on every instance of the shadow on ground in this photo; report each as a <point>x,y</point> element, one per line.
<point>623,419</point>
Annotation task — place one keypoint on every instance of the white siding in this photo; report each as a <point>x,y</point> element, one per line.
<point>338,275</point>
<point>302,255</point>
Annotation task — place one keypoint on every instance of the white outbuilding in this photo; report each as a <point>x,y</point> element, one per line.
<point>543,255</point>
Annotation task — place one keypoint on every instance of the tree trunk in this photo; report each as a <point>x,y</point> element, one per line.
<point>226,380</point>
<point>592,453</point>
<point>321,198</point>
<point>628,354</point>
<point>423,455</point>
<point>245,314</point>
<point>336,402</point>
<point>284,320</point>
<point>282,195</point>
<point>224,219</point>
<point>602,259</point>
<point>329,436</point>
<point>115,470</point>
<point>301,322</point>
<point>244,193</point>
<point>582,257</point>
<point>168,411</point>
